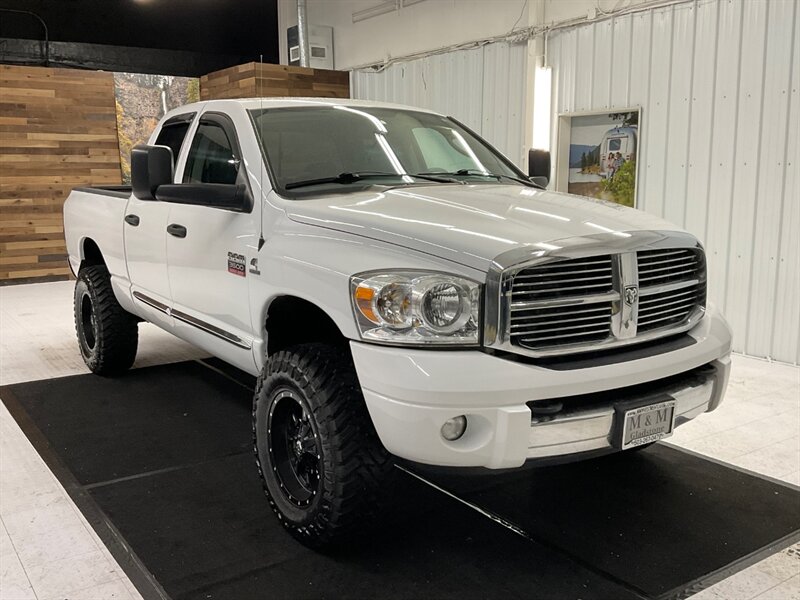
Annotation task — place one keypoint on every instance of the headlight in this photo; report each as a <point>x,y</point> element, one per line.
<point>407,307</point>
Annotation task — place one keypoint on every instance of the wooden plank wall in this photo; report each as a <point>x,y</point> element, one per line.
<point>252,80</point>
<point>58,130</point>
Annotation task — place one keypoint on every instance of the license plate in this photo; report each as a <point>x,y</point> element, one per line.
<point>647,424</point>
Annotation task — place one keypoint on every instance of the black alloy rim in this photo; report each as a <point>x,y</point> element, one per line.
<point>88,322</point>
<point>294,448</point>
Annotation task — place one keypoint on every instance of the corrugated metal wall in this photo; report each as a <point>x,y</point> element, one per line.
<point>481,87</point>
<point>717,81</point>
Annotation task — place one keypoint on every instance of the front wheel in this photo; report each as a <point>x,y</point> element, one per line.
<point>324,470</point>
<point>107,335</point>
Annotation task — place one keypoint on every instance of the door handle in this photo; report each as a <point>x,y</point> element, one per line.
<point>132,220</point>
<point>176,230</point>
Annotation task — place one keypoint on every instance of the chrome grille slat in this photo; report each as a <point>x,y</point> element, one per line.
<point>584,328</point>
<point>571,305</point>
<point>677,294</point>
<point>530,322</point>
<point>689,302</point>
<point>653,290</point>
<point>560,310</point>
<point>676,309</point>
<point>569,264</point>
<point>561,289</point>
<point>566,335</point>
<point>679,270</point>
<point>528,284</point>
<point>567,301</point>
<point>647,261</point>
<point>557,273</point>
<point>651,321</point>
<point>660,253</point>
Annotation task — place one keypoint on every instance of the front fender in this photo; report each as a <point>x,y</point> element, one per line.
<point>315,264</point>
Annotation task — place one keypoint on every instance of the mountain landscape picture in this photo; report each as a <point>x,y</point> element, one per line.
<point>141,101</point>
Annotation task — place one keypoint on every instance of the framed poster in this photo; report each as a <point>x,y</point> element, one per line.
<point>597,155</point>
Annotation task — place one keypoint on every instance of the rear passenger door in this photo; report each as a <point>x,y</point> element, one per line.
<point>145,235</point>
<point>209,251</point>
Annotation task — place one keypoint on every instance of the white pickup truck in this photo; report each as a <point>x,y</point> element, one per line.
<point>401,289</point>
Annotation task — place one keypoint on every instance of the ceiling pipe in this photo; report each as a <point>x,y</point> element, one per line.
<point>302,33</point>
<point>44,27</point>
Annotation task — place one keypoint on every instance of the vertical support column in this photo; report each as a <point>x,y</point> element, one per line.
<point>302,33</point>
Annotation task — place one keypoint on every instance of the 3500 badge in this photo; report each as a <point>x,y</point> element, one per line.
<point>237,264</point>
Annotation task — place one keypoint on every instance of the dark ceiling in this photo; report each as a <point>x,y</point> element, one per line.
<point>246,28</point>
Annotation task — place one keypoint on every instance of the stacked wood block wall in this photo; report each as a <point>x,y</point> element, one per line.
<point>58,130</point>
<point>252,80</point>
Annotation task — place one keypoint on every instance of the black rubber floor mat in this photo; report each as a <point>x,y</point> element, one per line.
<point>159,460</point>
<point>660,519</point>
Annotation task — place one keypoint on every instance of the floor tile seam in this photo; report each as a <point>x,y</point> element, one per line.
<point>19,558</point>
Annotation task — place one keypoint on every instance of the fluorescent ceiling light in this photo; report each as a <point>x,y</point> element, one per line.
<point>542,86</point>
<point>374,11</point>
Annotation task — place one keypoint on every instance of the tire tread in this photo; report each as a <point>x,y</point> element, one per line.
<point>362,468</point>
<point>118,331</point>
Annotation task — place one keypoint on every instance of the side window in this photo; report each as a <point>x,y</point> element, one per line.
<point>211,158</point>
<point>172,135</point>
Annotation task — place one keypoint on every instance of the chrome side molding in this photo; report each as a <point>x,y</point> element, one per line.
<point>190,320</point>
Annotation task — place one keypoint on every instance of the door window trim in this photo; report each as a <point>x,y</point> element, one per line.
<point>180,119</point>
<point>226,123</point>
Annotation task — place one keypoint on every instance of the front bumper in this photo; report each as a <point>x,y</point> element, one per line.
<point>410,393</point>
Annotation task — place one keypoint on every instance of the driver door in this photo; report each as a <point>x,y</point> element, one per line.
<point>209,250</point>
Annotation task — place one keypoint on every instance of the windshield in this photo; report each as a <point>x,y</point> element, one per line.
<point>342,147</point>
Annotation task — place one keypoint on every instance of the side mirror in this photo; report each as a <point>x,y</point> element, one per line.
<point>151,167</point>
<point>216,195</point>
<point>540,181</point>
<point>539,167</point>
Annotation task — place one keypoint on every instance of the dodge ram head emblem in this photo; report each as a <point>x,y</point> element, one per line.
<point>631,293</point>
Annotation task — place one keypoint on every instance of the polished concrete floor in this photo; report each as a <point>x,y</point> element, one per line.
<point>48,550</point>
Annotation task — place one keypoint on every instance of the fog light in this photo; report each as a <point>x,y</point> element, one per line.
<point>454,428</point>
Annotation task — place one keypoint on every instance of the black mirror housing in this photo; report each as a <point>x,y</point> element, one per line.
<point>151,167</point>
<point>540,181</point>
<point>215,195</point>
<point>539,166</point>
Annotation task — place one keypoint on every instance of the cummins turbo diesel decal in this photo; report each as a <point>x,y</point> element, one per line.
<point>236,264</point>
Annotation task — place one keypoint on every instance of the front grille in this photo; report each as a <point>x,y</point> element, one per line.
<point>658,267</point>
<point>564,278</point>
<point>671,287</point>
<point>538,320</point>
<point>579,304</point>
<point>541,327</point>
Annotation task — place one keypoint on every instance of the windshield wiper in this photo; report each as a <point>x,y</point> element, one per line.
<point>346,178</point>
<point>479,173</point>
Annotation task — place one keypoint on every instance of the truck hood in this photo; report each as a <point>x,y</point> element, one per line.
<point>470,224</point>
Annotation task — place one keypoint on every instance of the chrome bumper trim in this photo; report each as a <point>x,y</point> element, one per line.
<point>592,429</point>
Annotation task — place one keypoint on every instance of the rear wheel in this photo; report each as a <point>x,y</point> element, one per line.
<point>324,470</point>
<point>108,336</point>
